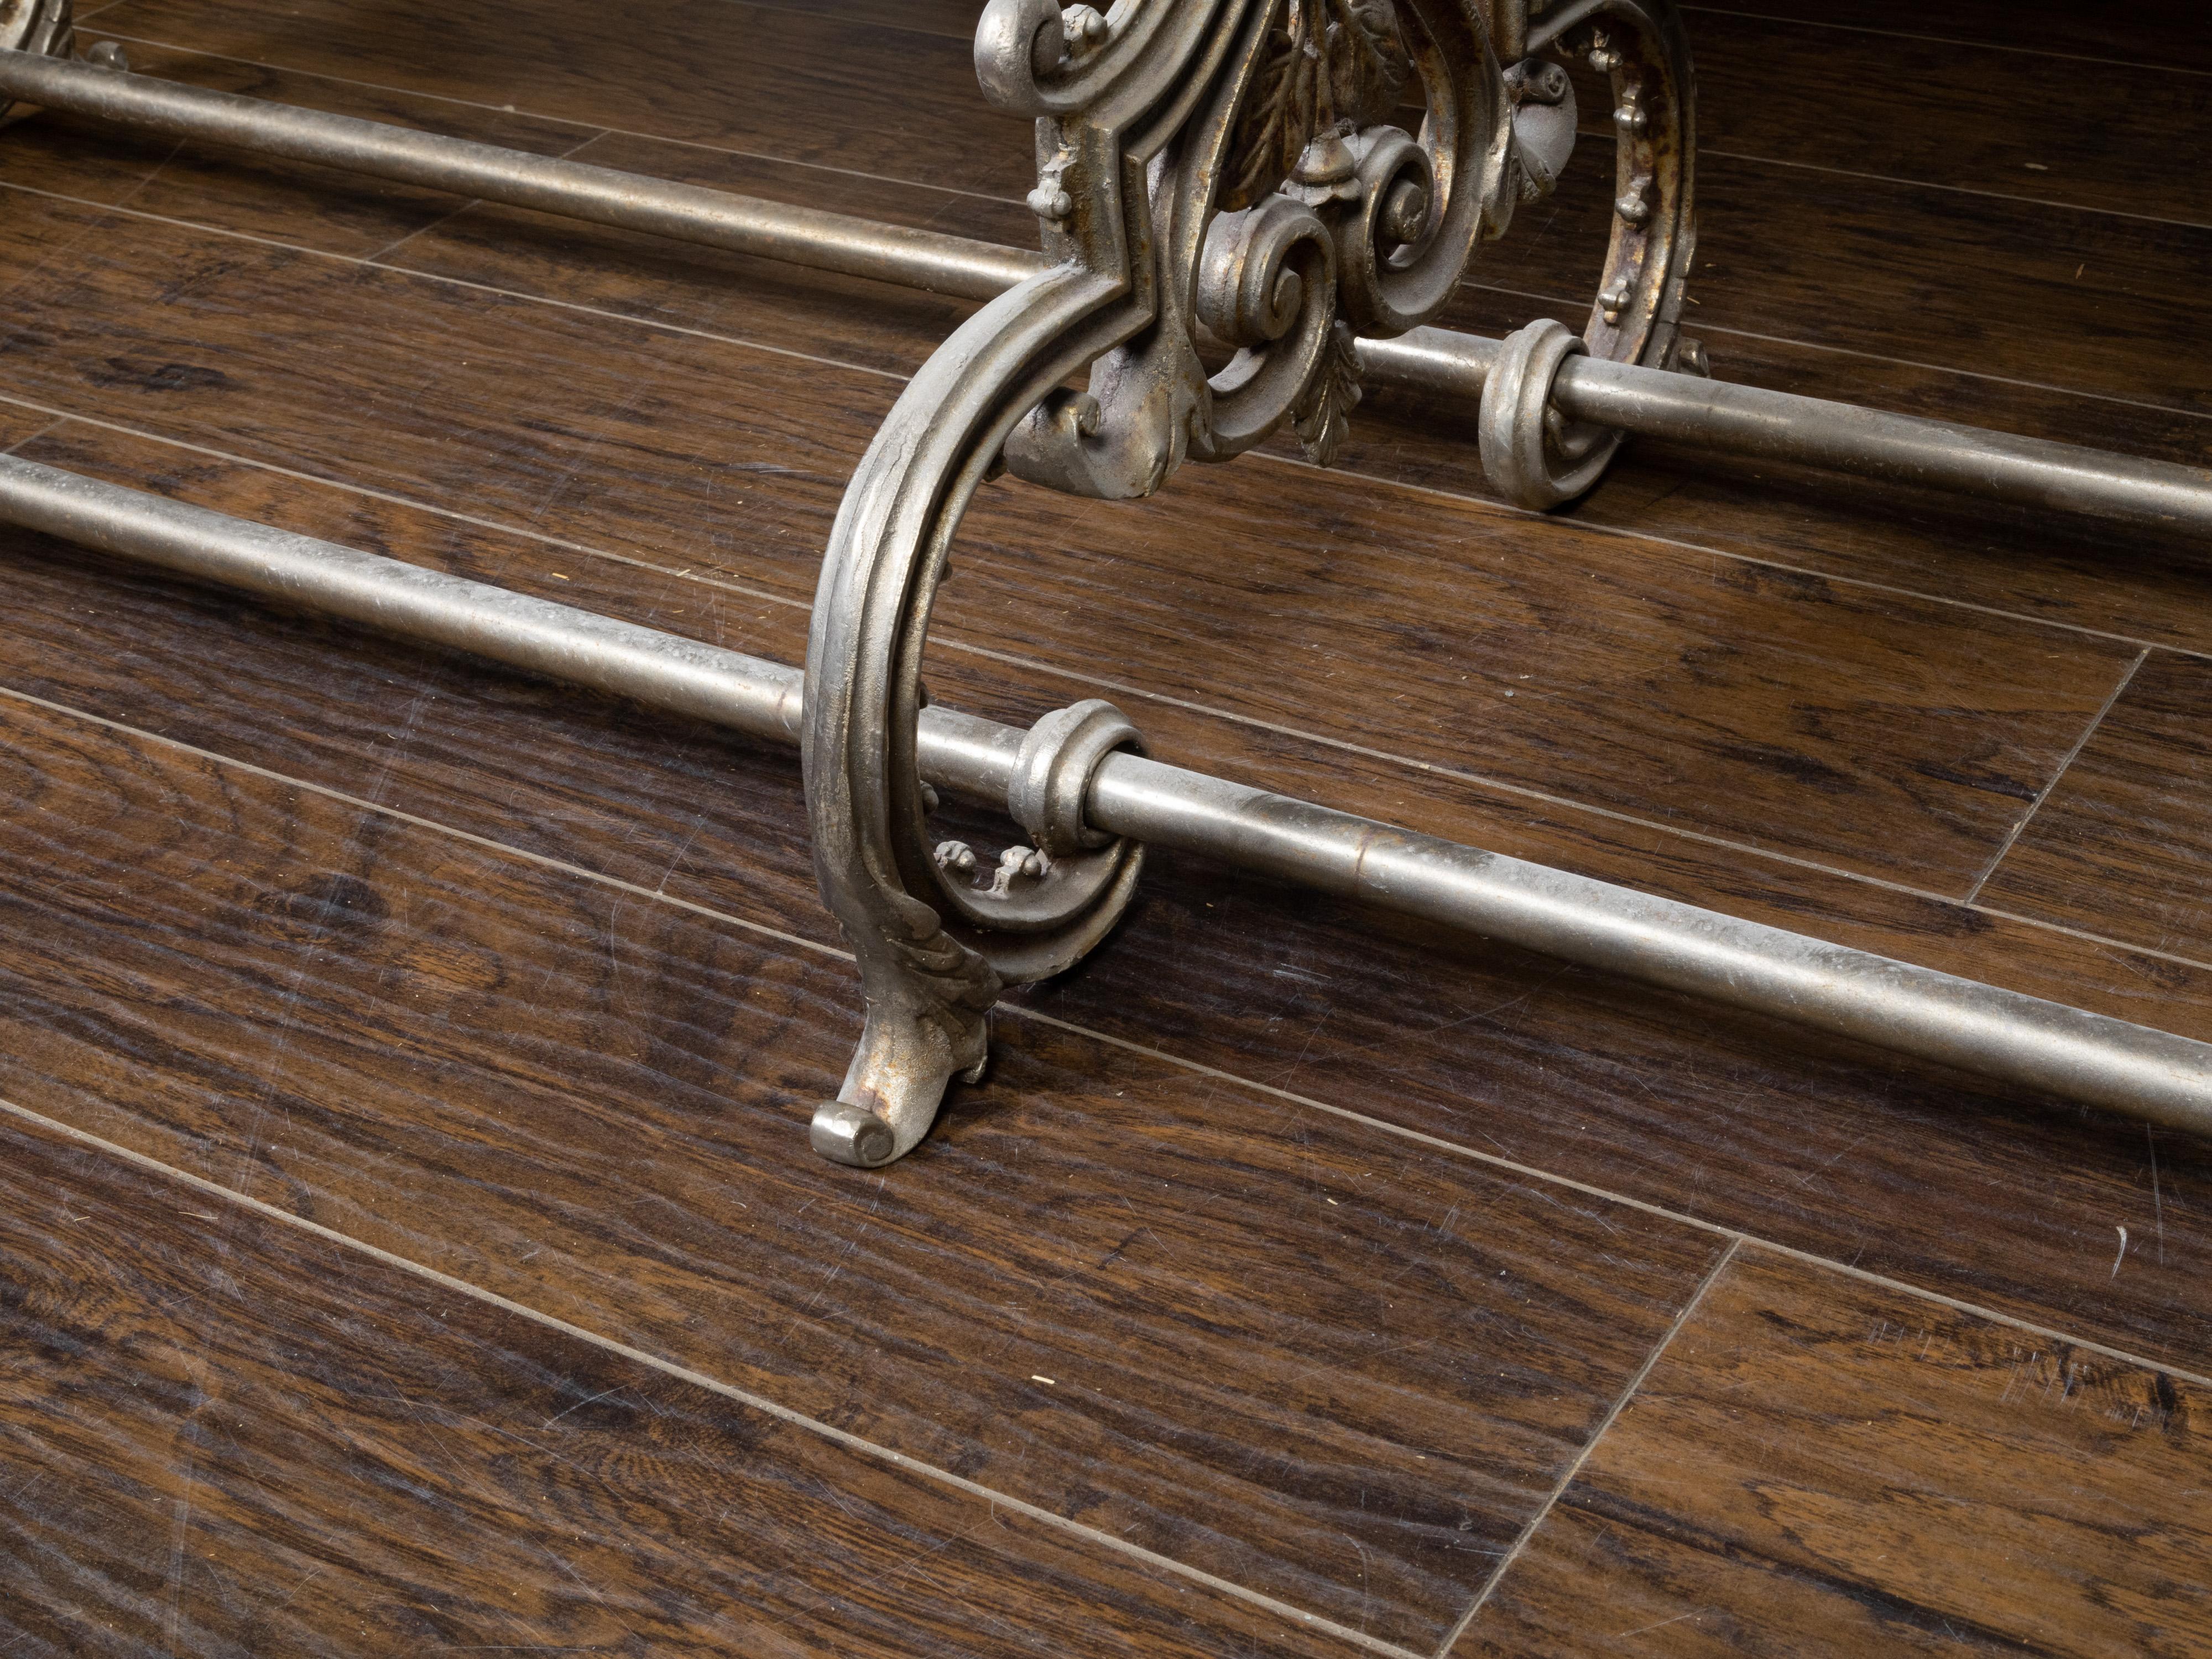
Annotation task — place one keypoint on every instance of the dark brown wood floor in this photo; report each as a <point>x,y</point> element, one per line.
<point>410,1243</point>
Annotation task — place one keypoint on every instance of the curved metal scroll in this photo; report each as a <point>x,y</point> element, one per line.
<point>1532,455</point>
<point>1217,177</point>
<point>41,25</point>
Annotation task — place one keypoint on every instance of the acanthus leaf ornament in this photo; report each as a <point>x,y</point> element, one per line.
<point>1331,67</point>
<point>1322,417</point>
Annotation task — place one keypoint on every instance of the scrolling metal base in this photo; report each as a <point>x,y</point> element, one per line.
<point>1215,178</point>
<point>1213,175</point>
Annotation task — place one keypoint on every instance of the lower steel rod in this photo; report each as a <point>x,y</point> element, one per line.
<point>1744,420</point>
<point>2022,1040</point>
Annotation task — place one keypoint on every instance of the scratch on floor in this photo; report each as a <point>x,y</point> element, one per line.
<point>580,1404</point>
<point>1640,1630</point>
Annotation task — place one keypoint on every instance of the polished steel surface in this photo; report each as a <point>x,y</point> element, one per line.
<point>2160,1078</point>
<point>1781,426</point>
<point>2022,1040</point>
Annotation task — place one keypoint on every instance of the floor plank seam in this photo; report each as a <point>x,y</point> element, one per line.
<point>1954,190</point>
<point>1197,1068</point>
<point>745,342</point>
<point>1705,328</point>
<point>730,1391</point>
<point>1642,1206</point>
<point>953,642</point>
<point>567,121</point>
<point>1574,1468</point>
<point>2044,793</point>
<point>2150,952</point>
<point>1946,40</point>
<point>505,849</point>
<point>1653,538</point>
<point>1605,135</point>
<point>1979,1310</point>
<point>30,438</point>
<point>570,306</point>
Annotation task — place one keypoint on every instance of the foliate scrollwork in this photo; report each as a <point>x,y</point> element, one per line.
<point>1331,67</point>
<point>1288,215</point>
<point>1640,48</point>
<point>1230,202</point>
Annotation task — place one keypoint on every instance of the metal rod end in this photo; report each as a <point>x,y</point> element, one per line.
<point>852,1134</point>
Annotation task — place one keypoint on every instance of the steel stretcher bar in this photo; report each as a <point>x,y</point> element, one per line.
<point>1626,397</point>
<point>2020,1040</point>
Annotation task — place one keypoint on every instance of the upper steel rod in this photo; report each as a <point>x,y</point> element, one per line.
<point>688,213</point>
<point>2023,1040</point>
<point>1746,420</point>
<point>1869,443</point>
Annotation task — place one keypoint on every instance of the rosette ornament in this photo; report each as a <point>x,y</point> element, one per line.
<point>1219,182</point>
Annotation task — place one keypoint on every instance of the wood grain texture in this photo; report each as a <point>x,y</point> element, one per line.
<point>2038,129</point>
<point>224,1436</point>
<point>1816,1466</point>
<point>1880,735</point>
<point>2158,36</point>
<point>1771,89</point>
<point>899,103</point>
<point>1834,1149</point>
<point>73,157</point>
<point>1319,1360</point>
<point>18,426</point>
<point>2079,301</point>
<point>2126,835</point>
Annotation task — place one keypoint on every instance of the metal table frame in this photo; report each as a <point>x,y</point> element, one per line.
<point>1168,247</point>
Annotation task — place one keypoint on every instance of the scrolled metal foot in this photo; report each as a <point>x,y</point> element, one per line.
<point>1037,913</point>
<point>852,1134</point>
<point>898,1075</point>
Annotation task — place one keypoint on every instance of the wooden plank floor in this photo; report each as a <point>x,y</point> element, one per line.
<point>408,1241</point>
